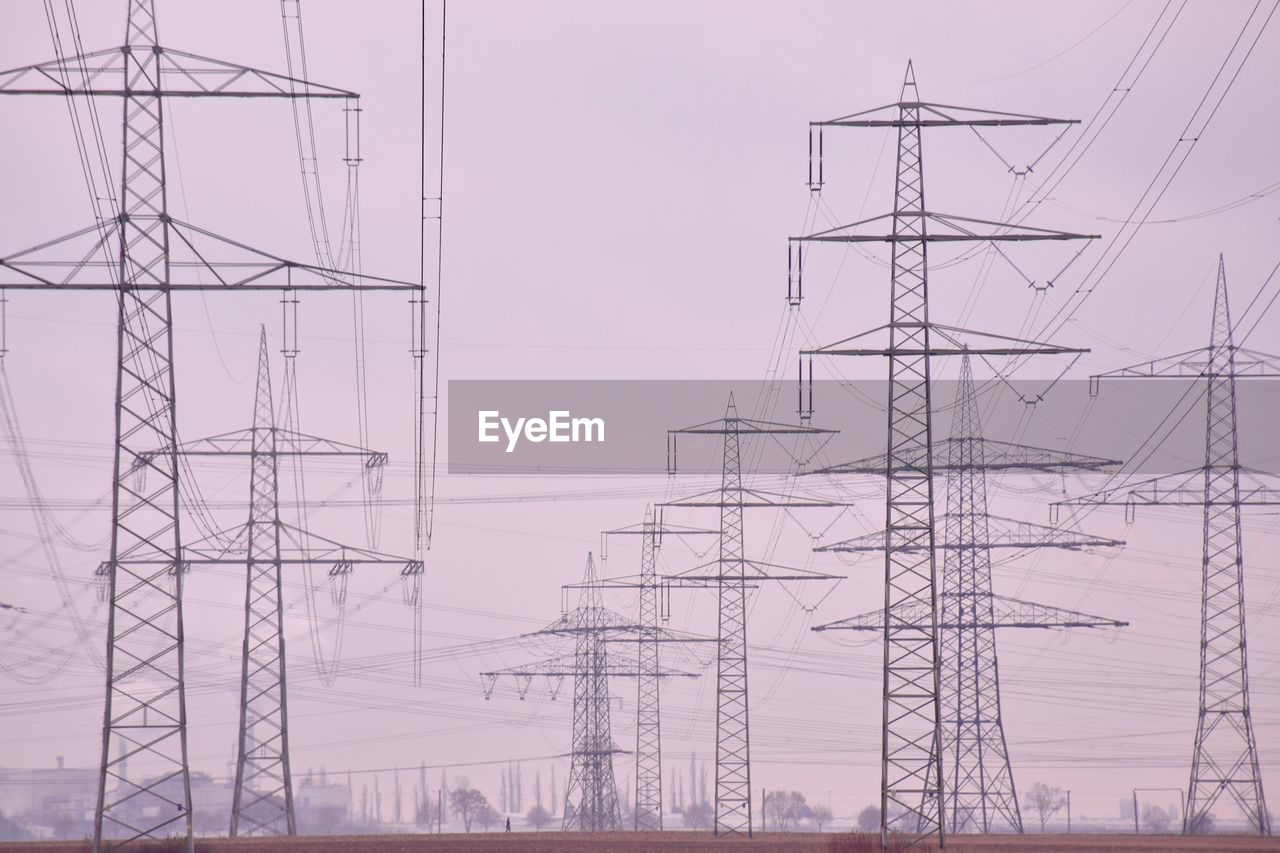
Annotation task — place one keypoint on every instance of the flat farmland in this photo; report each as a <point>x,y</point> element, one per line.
<point>674,842</point>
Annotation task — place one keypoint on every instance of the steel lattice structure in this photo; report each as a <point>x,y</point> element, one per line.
<point>911,730</point>
<point>979,790</point>
<point>648,805</point>
<point>1224,759</point>
<point>648,756</point>
<point>729,575</point>
<point>143,254</point>
<point>262,799</point>
<point>591,796</point>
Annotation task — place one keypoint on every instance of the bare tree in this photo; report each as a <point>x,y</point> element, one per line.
<point>466,801</point>
<point>698,816</point>
<point>486,815</point>
<point>785,808</point>
<point>821,814</point>
<point>538,817</point>
<point>1156,819</point>
<point>1046,801</point>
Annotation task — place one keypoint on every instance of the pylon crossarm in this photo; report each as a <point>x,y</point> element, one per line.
<point>747,426</point>
<point>566,666</point>
<point>1001,533</point>
<point>1185,488</point>
<point>870,343</point>
<point>1006,613</point>
<point>664,529</point>
<point>288,443</point>
<point>754,499</point>
<point>1197,363</point>
<point>181,75</point>
<point>925,114</point>
<point>752,571</point>
<point>943,228</point>
<point>88,259</point>
<point>297,547</point>
<point>582,620</point>
<point>995,456</point>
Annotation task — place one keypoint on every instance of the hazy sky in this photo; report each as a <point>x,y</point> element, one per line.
<point>620,181</point>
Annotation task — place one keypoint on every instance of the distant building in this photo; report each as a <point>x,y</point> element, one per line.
<point>53,802</point>
<point>320,807</point>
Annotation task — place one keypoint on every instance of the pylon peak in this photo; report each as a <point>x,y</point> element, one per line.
<point>1221,333</point>
<point>909,82</point>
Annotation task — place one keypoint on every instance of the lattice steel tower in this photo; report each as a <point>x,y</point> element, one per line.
<point>1224,760</point>
<point>262,798</point>
<point>911,733</point>
<point>729,576</point>
<point>591,795</point>
<point>648,757</point>
<point>978,791</point>
<point>139,251</point>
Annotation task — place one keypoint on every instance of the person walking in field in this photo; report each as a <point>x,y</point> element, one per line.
<point>508,824</point>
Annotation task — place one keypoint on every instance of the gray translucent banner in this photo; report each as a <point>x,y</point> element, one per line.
<point>621,427</point>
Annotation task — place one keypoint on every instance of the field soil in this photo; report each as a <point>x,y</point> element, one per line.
<point>674,842</point>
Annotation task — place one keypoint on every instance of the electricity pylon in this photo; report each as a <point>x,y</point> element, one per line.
<point>729,575</point>
<point>979,790</point>
<point>648,794</point>
<point>1224,759</point>
<point>911,728</point>
<point>591,796</point>
<point>262,799</point>
<point>143,255</point>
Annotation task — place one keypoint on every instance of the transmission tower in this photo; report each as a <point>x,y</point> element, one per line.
<point>137,250</point>
<point>648,803</point>
<point>911,730</point>
<point>591,797</point>
<point>979,790</point>
<point>262,799</point>
<point>729,575</point>
<point>1224,760</point>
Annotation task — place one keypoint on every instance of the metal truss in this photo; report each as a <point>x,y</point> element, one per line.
<point>730,575</point>
<point>978,792</point>
<point>262,798</point>
<point>591,797</point>
<point>143,255</point>
<point>648,757</point>
<point>911,771</point>
<point>1224,762</point>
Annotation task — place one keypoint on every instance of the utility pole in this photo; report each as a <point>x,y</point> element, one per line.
<point>1224,759</point>
<point>144,255</point>
<point>729,576</point>
<point>1068,811</point>
<point>911,743</point>
<point>591,796</point>
<point>980,787</point>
